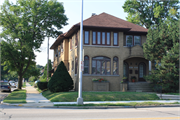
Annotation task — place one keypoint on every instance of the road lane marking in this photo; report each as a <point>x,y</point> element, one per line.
<point>158,118</point>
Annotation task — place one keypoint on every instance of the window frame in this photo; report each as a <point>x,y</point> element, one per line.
<point>133,39</point>
<point>117,65</point>
<point>101,36</point>
<point>101,60</point>
<point>70,43</point>
<point>85,37</point>
<point>84,64</point>
<point>117,39</point>
<point>76,39</point>
<point>72,67</point>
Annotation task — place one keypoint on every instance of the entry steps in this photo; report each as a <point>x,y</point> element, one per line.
<point>139,87</point>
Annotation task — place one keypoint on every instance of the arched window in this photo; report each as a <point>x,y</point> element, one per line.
<point>115,66</point>
<point>101,65</point>
<point>86,64</point>
<point>76,65</point>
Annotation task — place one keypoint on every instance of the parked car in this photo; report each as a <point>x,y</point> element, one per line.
<point>5,86</point>
<point>13,84</point>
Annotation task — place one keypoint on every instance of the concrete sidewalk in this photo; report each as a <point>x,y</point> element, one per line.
<point>34,98</point>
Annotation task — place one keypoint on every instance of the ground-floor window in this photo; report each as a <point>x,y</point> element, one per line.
<point>86,64</point>
<point>101,65</point>
<point>115,66</point>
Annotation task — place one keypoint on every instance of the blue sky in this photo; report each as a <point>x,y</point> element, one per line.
<point>73,13</point>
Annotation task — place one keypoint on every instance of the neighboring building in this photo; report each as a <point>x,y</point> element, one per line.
<point>112,49</point>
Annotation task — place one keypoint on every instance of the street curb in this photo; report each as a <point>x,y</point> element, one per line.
<point>90,107</point>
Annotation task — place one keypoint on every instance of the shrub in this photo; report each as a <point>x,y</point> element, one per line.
<point>61,80</point>
<point>42,85</point>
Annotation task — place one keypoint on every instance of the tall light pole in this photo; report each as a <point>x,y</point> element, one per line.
<point>80,99</point>
<point>48,59</point>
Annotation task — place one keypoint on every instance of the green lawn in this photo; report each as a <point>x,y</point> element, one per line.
<point>17,96</point>
<point>99,96</point>
<point>172,93</point>
<point>120,104</point>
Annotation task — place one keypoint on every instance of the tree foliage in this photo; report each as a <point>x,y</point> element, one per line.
<point>61,80</point>
<point>24,27</point>
<point>149,12</point>
<point>162,48</point>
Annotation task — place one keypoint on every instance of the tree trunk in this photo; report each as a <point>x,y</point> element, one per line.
<point>20,81</point>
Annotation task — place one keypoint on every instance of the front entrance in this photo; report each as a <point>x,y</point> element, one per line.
<point>135,67</point>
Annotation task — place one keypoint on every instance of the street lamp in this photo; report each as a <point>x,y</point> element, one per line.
<point>81,63</point>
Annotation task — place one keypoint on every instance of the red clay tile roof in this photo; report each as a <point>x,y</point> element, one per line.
<point>107,20</point>
<point>103,20</point>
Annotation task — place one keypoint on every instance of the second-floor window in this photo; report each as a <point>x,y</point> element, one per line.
<point>115,39</point>
<point>133,40</point>
<point>70,44</point>
<point>86,37</point>
<point>101,38</point>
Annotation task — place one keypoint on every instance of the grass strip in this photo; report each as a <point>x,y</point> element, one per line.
<point>17,96</point>
<point>172,93</point>
<point>121,104</point>
<point>99,96</point>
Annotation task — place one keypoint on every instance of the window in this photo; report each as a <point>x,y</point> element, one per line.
<point>115,66</point>
<point>86,37</point>
<point>99,38</point>
<point>76,41</point>
<point>72,65</point>
<point>94,38</point>
<point>129,40</point>
<point>137,40</point>
<point>103,38</point>
<point>115,39</point>
<point>86,64</point>
<point>76,65</point>
<point>101,65</point>
<point>108,38</point>
<point>133,40</point>
<point>70,44</point>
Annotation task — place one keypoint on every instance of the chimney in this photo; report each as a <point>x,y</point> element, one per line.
<point>93,14</point>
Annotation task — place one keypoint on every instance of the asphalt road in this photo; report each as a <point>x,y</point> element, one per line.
<point>156,113</point>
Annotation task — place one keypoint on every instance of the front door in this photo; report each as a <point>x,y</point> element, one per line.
<point>142,71</point>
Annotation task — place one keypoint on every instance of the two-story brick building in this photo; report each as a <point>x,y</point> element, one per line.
<point>112,49</point>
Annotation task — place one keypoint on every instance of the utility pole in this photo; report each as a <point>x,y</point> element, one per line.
<point>48,59</point>
<point>80,99</point>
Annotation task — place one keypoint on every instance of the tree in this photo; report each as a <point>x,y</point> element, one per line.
<point>61,80</point>
<point>32,71</point>
<point>24,27</point>
<point>149,12</point>
<point>44,76</point>
<point>162,48</point>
